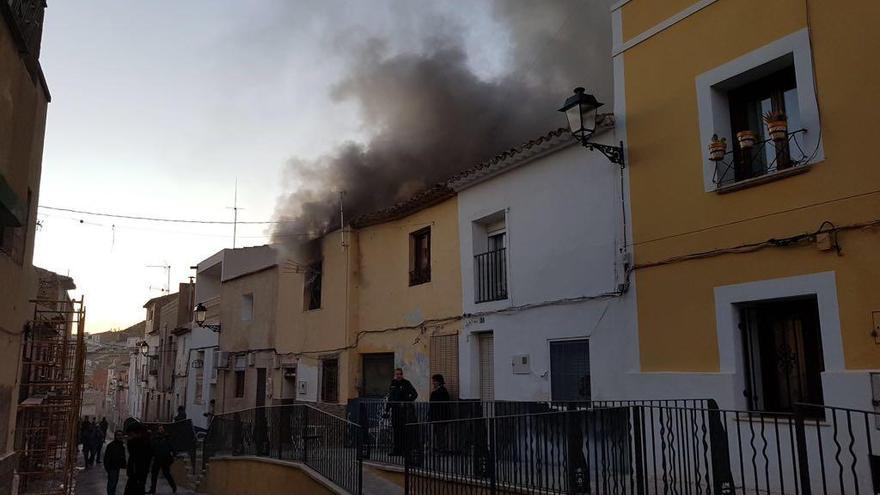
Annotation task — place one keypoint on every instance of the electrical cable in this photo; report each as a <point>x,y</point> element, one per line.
<point>158,219</point>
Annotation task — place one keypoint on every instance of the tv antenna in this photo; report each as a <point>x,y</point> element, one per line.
<point>235,209</point>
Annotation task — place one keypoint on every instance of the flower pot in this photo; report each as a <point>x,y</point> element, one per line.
<point>778,129</point>
<point>717,150</point>
<point>747,139</point>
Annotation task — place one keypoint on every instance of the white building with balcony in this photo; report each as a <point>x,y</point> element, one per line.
<point>549,316</point>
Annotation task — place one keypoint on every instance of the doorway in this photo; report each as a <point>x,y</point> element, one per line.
<point>377,371</point>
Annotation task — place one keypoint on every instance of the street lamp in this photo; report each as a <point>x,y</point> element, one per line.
<point>581,109</point>
<point>201,314</point>
<point>145,348</point>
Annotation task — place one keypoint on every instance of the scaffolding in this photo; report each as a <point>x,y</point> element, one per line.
<point>50,396</point>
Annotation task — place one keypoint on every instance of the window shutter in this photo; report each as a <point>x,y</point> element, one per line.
<point>444,360</point>
<point>486,344</point>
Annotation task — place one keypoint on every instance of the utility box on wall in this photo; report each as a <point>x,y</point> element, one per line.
<point>302,387</point>
<point>521,364</point>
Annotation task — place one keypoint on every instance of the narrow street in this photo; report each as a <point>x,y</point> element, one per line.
<point>93,481</point>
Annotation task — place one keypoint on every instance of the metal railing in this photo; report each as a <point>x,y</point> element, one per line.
<point>649,449</point>
<point>763,158</point>
<point>420,275</point>
<point>325,443</point>
<point>382,422</point>
<point>490,276</point>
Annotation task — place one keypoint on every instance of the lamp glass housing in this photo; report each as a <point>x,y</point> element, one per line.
<point>201,314</point>
<point>581,110</point>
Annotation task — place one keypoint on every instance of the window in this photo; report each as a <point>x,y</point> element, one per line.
<point>247,307</point>
<point>570,370</point>
<point>239,383</point>
<point>783,353</point>
<point>200,377</point>
<point>420,256</point>
<point>444,360</point>
<point>312,286</point>
<point>377,372</point>
<point>486,353</point>
<point>734,96</point>
<point>776,92</point>
<point>490,258</point>
<point>330,380</point>
<point>13,240</point>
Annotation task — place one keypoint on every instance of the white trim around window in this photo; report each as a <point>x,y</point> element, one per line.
<point>713,106</point>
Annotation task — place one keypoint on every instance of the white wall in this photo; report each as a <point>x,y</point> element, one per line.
<point>564,228</point>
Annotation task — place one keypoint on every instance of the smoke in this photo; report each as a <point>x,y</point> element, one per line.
<point>428,115</point>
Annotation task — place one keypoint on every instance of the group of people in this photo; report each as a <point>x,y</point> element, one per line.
<point>139,451</point>
<point>400,392</point>
<point>91,437</point>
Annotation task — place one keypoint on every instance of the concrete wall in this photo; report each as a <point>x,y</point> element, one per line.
<point>23,103</point>
<point>258,332</point>
<point>661,55</point>
<point>563,226</point>
<point>387,301</point>
<point>257,477</point>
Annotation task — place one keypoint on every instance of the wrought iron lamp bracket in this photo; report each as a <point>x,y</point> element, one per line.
<point>613,153</point>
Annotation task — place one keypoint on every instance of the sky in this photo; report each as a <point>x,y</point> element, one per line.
<point>159,108</point>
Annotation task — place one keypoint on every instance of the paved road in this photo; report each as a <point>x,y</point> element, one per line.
<point>93,481</point>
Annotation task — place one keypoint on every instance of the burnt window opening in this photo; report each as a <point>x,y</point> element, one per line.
<point>330,380</point>
<point>13,240</point>
<point>420,256</point>
<point>239,384</point>
<point>782,347</point>
<point>312,286</point>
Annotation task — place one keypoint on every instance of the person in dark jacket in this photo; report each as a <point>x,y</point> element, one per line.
<point>139,455</point>
<point>98,435</point>
<point>89,446</point>
<point>114,460</point>
<point>163,457</point>
<point>400,392</point>
<point>104,425</point>
<point>439,411</point>
<point>181,414</point>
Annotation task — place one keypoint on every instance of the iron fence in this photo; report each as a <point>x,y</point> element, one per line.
<point>649,449</point>
<point>325,443</point>
<point>490,274</point>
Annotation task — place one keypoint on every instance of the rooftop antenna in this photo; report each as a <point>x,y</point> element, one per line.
<point>167,269</point>
<point>235,209</point>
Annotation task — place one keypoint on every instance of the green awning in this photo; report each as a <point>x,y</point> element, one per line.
<point>13,211</point>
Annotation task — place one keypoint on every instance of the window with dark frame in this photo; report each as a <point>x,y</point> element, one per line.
<point>239,383</point>
<point>420,256</point>
<point>13,240</point>
<point>378,369</point>
<point>776,92</point>
<point>570,370</point>
<point>312,287</point>
<point>330,380</point>
<point>782,349</point>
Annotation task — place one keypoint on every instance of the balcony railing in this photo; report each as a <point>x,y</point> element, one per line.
<point>28,18</point>
<point>490,276</point>
<point>764,158</point>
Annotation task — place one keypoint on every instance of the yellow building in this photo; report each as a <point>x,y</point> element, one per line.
<point>756,275</point>
<point>23,101</point>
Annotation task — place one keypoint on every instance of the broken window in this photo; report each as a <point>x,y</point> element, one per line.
<point>420,256</point>
<point>312,286</point>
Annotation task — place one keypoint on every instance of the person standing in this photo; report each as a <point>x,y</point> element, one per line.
<point>181,414</point>
<point>163,457</point>
<point>139,455</point>
<point>114,460</point>
<point>104,425</point>
<point>98,435</point>
<point>400,393</point>
<point>89,444</point>
<point>439,411</point>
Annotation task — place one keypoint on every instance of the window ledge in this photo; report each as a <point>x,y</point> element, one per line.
<point>763,179</point>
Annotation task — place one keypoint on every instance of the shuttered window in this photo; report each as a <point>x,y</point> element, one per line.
<point>444,361</point>
<point>486,343</point>
<point>570,370</point>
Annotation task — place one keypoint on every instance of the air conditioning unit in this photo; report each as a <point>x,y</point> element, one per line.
<point>222,360</point>
<point>251,359</point>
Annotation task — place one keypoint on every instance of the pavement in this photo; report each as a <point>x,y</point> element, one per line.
<point>93,481</point>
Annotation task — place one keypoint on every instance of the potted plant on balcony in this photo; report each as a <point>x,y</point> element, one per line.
<point>777,125</point>
<point>717,148</point>
<point>746,139</point>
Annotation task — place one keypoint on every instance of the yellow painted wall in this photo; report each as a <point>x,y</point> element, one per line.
<point>255,477</point>
<point>642,15</point>
<point>676,302</point>
<point>23,105</point>
<point>386,300</point>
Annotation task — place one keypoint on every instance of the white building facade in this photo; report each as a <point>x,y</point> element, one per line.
<point>543,254</point>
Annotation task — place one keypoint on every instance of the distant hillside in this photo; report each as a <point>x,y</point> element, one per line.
<point>120,336</point>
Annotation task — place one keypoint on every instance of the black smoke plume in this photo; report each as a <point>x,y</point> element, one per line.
<point>429,116</point>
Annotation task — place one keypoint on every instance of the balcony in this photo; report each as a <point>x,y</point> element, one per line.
<point>762,162</point>
<point>490,276</point>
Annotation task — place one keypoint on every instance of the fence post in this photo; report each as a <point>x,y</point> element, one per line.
<point>638,448</point>
<point>578,474</point>
<point>360,461</point>
<point>803,458</point>
<point>722,478</point>
<point>304,418</point>
<point>493,479</point>
<point>406,462</point>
